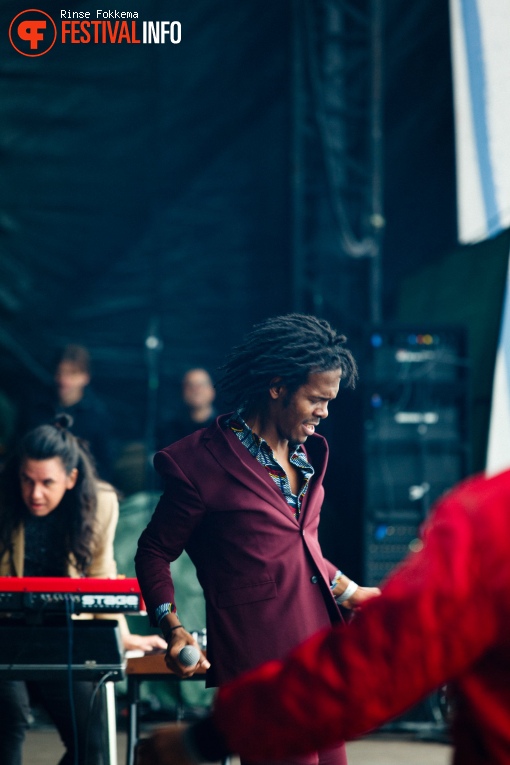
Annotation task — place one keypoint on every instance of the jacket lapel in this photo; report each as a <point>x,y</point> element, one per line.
<point>18,551</point>
<point>235,458</point>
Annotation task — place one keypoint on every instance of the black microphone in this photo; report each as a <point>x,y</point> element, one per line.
<point>189,656</point>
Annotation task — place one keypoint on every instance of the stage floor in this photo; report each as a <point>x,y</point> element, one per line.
<point>43,747</point>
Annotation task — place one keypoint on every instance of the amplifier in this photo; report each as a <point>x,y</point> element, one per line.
<point>388,541</point>
<point>404,355</point>
<point>88,649</point>
<point>407,481</point>
<point>390,424</point>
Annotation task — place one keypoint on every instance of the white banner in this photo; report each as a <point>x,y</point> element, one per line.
<point>498,447</point>
<point>480,33</point>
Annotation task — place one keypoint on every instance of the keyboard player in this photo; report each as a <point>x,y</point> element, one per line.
<point>57,519</point>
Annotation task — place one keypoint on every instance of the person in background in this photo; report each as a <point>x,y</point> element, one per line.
<point>73,395</point>
<point>443,617</point>
<point>198,396</point>
<point>243,497</point>
<point>57,519</point>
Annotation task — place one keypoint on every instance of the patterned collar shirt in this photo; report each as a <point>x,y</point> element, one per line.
<point>260,449</point>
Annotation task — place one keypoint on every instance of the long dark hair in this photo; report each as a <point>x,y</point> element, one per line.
<point>291,347</point>
<point>43,443</point>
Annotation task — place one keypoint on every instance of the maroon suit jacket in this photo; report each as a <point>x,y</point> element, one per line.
<point>265,581</point>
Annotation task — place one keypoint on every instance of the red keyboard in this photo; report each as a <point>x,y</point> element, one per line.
<point>61,594</point>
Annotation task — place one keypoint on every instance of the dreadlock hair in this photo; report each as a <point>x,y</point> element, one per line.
<point>290,347</point>
<point>43,443</point>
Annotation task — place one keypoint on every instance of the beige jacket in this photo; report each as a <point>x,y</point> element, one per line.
<point>103,564</point>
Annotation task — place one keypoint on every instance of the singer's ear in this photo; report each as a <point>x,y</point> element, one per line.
<point>277,388</point>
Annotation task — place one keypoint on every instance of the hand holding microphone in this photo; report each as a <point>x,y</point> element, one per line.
<point>183,654</point>
<point>189,656</point>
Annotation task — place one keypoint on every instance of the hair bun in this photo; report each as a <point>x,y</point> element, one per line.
<point>63,421</point>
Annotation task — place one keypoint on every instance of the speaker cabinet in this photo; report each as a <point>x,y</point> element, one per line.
<point>415,434</point>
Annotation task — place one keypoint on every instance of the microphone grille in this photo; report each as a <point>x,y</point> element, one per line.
<point>189,656</point>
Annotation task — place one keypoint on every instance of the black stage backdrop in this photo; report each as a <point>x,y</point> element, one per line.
<point>147,190</point>
<point>144,190</point>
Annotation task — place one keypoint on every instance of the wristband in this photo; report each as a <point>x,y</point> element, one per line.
<point>163,610</point>
<point>347,593</point>
<point>166,633</point>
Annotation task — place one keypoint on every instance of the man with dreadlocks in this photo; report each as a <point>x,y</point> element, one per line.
<point>243,497</point>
